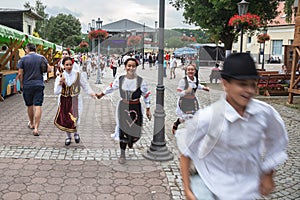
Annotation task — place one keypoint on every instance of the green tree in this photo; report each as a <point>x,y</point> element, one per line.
<point>64,30</point>
<point>41,25</point>
<point>288,9</point>
<point>213,16</point>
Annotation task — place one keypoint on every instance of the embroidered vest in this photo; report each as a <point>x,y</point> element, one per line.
<point>72,90</point>
<point>130,95</point>
<point>187,85</point>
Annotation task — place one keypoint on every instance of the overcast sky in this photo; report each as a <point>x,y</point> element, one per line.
<point>141,11</point>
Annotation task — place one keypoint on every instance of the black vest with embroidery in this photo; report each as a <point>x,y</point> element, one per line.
<point>130,95</point>
<point>187,85</point>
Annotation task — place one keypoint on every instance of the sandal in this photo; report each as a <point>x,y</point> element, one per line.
<point>30,127</point>
<point>35,132</point>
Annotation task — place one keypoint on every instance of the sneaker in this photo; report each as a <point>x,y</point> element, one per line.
<point>68,141</point>
<point>77,138</point>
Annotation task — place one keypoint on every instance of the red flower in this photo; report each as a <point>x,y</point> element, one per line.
<point>133,40</point>
<point>249,21</point>
<point>103,34</point>
<point>261,38</point>
<point>83,44</point>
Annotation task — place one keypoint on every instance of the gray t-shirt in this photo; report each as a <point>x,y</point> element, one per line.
<point>30,64</point>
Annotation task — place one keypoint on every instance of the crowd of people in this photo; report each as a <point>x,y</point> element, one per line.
<point>234,145</point>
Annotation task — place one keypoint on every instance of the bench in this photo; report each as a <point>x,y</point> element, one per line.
<point>273,84</point>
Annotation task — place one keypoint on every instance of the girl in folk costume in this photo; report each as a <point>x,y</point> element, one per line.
<point>187,102</point>
<point>129,111</point>
<point>68,87</point>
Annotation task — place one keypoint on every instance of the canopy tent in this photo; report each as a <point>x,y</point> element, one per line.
<point>210,52</point>
<point>185,51</point>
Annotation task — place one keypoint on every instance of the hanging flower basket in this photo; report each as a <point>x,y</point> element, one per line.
<point>263,37</point>
<point>94,34</point>
<point>248,21</point>
<point>134,40</point>
<point>83,44</point>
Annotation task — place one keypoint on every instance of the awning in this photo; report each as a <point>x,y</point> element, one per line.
<point>7,33</point>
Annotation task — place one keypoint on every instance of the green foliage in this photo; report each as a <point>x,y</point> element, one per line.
<point>288,9</point>
<point>213,16</point>
<point>65,30</point>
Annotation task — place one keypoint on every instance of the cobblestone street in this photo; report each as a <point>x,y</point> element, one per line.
<point>44,168</point>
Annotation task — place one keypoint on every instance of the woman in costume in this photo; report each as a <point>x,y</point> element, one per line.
<point>129,111</point>
<point>187,103</point>
<point>68,86</point>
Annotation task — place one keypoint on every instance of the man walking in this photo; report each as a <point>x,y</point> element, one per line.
<point>31,79</point>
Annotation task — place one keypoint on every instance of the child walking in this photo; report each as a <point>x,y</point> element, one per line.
<point>68,86</point>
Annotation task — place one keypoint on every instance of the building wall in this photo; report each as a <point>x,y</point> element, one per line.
<point>28,24</point>
<point>250,44</point>
<point>12,20</point>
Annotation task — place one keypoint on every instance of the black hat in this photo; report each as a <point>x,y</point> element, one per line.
<point>239,66</point>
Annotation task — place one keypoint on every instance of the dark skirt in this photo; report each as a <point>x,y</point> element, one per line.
<point>130,121</point>
<point>67,114</point>
<point>188,104</point>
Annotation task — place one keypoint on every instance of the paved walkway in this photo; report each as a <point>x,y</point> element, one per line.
<point>44,168</point>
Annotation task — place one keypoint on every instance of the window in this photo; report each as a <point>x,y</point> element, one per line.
<point>29,29</point>
<point>277,47</point>
<point>249,39</point>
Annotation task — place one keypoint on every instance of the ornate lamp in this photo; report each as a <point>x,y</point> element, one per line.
<point>242,9</point>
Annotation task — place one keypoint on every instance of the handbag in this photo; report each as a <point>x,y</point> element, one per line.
<point>43,66</point>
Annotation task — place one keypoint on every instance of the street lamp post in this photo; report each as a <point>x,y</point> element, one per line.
<point>99,26</point>
<point>143,49</point>
<point>242,9</point>
<point>158,150</point>
<point>263,52</point>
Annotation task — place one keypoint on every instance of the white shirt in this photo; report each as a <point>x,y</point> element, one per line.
<point>232,168</point>
<point>172,63</point>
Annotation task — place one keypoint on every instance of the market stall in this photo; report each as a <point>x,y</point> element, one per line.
<point>12,43</point>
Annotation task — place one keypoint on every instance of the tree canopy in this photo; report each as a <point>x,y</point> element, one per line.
<point>213,15</point>
<point>64,29</point>
<point>61,29</point>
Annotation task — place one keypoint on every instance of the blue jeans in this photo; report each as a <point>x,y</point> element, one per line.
<point>199,189</point>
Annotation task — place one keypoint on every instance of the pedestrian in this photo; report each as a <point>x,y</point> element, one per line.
<point>114,65</point>
<point>68,87</point>
<point>236,143</point>
<point>129,111</point>
<point>173,65</point>
<point>215,73</point>
<point>32,83</point>
<point>187,103</point>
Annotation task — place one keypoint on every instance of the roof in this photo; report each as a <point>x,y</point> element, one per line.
<point>126,25</point>
<point>27,11</point>
<point>280,19</point>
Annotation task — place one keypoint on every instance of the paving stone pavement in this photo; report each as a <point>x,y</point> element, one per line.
<point>44,168</point>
